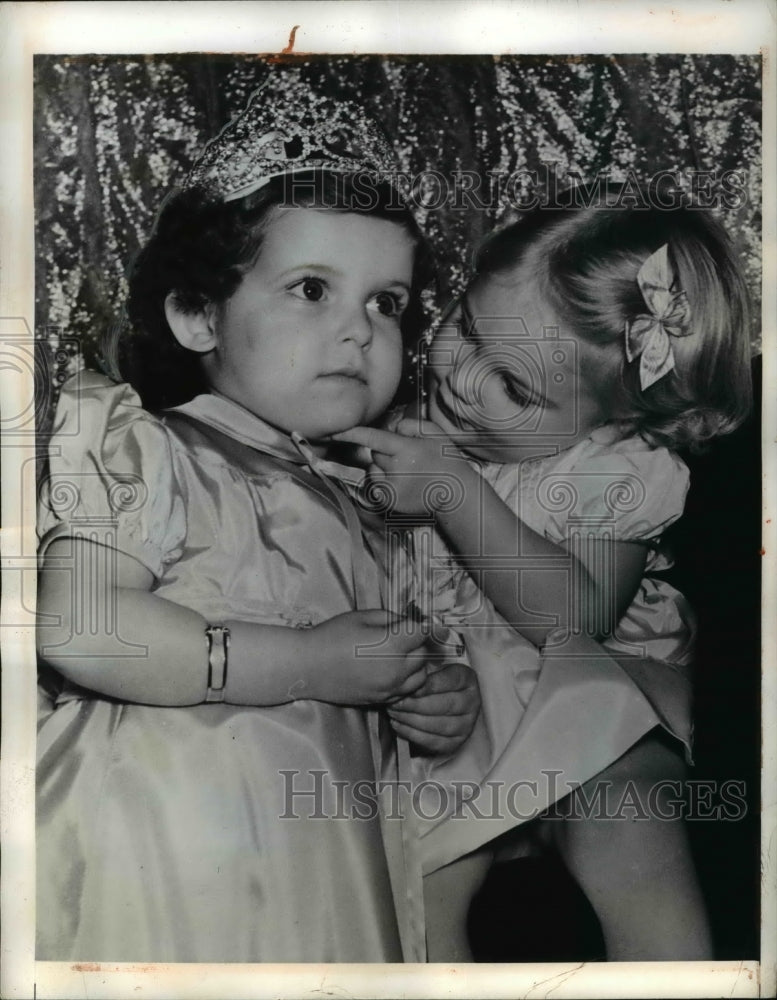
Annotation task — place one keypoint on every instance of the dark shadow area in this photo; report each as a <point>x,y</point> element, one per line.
<point>718,566</point>
<point>530,910</point>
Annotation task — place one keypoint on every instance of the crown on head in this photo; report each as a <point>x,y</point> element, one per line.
<point>291,131</point>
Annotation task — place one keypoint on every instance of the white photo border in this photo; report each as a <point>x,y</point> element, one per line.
<point>343,26</point>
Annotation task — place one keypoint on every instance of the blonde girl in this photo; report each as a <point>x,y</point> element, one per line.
<point>592,347</point>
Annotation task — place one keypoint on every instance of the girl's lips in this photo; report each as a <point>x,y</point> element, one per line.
<point>348,374</point>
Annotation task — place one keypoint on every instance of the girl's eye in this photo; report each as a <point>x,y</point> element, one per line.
<point>389,304</point>
<point>312,289</point>
<point>515,391</point>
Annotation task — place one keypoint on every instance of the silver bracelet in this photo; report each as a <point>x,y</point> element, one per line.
<point>217,637</point>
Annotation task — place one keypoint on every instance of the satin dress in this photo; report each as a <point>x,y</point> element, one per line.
<point>554,719</point>
<point>216,833</point>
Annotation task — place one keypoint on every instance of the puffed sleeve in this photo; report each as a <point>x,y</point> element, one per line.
<point>111,475</point>
<point>624,490</point>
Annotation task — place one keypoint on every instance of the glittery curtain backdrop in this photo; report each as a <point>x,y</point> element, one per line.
<point>113,134</point>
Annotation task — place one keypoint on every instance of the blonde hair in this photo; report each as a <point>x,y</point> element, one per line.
<point>585,262</point>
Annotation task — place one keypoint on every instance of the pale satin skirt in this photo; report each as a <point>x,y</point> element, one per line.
<point>185,835</point>
<point>548,724</point>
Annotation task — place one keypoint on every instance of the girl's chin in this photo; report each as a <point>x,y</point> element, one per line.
<point>323,435</point>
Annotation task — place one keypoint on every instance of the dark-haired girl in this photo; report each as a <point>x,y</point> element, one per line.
<point>208,781</point>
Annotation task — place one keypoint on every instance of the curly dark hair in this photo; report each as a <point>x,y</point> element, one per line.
<point>201,248</point>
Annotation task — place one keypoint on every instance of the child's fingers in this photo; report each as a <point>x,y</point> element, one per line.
<point>451,678</point>
<point>378,467</point>
<point>363,457</point>
<point>449,703</point>
<point>412,639</point>
<point>440,725</point>
<point>451,693</point>
<point>418,427</point>
<point>373,438</point>
<point>409,426</point>
<point>412,682</point>
<point>406,732</point>
<point>430,743</point>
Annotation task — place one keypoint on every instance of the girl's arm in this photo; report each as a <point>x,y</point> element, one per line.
<point>533,577</point>
<point>113,636</point>
<point>535,584</point>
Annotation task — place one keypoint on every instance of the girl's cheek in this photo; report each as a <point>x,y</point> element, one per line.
<point>395,365</point>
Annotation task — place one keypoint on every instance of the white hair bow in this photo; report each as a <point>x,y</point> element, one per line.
<point>647,336</point>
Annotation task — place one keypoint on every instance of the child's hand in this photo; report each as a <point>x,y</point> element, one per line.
<point>366,658</point>
<point>419,464</point>
<point>439,715</point>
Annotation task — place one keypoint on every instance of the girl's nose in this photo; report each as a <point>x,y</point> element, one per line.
<point>357,327</point>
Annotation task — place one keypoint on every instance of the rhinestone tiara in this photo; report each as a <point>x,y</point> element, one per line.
<point>288,132</point>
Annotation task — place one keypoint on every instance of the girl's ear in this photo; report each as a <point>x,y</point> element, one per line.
<point>194,330</point>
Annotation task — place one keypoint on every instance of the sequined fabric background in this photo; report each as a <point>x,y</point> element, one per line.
<point>113,134</point>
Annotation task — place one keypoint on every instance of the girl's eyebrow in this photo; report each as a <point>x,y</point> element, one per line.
<point>325,268</point>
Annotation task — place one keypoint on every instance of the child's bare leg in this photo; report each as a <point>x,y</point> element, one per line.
<point>638,874</point>
<point>448,893</point>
